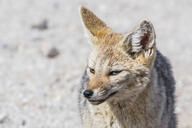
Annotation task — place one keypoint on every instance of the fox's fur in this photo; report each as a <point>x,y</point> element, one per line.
<point>132,81</point>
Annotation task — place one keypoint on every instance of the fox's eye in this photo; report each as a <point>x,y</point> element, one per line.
<point>114,72</point>
<point>92,70</point>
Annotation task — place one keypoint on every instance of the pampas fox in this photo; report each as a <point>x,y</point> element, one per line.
<point>128,83</point>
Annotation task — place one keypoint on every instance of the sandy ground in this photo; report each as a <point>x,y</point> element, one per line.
<point>43,52</point>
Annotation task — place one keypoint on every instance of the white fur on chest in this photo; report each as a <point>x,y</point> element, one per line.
<point>101,116</point>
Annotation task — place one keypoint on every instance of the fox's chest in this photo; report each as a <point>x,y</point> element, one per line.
<point>101,116</point>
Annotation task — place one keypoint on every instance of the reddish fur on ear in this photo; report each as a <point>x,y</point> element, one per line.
<point>147,60</point>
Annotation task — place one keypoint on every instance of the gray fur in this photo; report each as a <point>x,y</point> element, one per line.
<point>164,71</point>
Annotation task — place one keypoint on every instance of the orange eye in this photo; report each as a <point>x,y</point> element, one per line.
<point>92,70</point>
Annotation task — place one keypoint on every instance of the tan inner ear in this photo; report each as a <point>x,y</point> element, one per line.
<point>149,60</point>
<point>94,25</point>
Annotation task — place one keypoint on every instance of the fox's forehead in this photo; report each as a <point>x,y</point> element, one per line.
<point>106,59</point>
<point>100,57</point>
<point>108,53</point>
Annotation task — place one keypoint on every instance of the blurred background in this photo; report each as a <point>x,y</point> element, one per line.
<point>43,52</point>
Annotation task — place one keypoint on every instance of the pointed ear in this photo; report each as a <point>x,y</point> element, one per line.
<point>93,24</point>
<point>140,40</point>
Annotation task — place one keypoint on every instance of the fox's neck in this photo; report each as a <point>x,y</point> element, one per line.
<point>141,112</point>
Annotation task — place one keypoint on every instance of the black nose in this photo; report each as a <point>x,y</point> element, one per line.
<point>88,93</point>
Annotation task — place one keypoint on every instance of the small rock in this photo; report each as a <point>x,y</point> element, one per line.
<point>43,25</point>
<point>3,118</point>
<point>53,53</point>
<point>23,123</point>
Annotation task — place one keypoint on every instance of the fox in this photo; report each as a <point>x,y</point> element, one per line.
<point>128,82</point>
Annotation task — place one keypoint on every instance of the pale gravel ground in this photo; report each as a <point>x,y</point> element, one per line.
<point>39,92</point>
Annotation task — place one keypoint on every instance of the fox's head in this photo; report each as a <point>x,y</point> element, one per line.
<point>119,65</point>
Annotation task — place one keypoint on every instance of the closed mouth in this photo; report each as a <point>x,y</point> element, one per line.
<point>97,102</point>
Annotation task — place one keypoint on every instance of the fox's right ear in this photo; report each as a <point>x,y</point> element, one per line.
<point>140,43</point>
<point>141,39</point>
<point>96,27</point>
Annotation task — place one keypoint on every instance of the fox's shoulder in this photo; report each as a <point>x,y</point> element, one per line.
<point>163,67</point>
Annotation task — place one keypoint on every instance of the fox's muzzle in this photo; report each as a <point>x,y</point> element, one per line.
<point>95,99</point>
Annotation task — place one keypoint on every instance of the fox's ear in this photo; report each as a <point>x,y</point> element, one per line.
<point>96,27</point>
<point>140,40</point>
